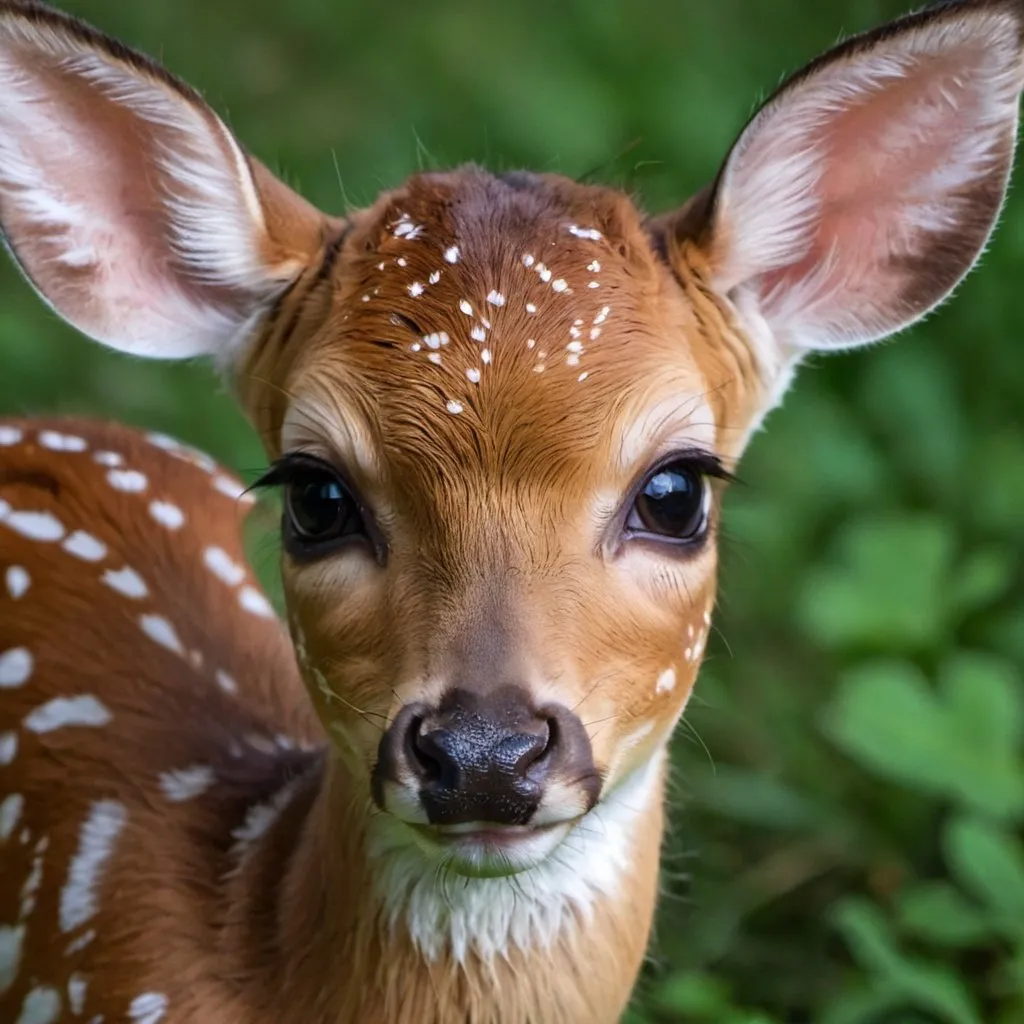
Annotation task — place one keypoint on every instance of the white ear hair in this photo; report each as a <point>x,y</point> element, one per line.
<point>125,199</point>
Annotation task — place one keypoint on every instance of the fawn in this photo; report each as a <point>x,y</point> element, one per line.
<point>502,411</point>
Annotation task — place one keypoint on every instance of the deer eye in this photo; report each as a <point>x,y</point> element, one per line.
<point>673,504</point>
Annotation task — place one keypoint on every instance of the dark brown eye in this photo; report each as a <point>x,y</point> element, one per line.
<point>673,503</point>
<point>320,508</point>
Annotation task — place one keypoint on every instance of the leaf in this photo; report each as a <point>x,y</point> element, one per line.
<point>886,587</point>
<point>982,578</point>
<point>695,994</point>
<point>989,863</point>
<point>886,717</point>
<point>940,914</point>
<point>755,798</point>
<point>925,985</point>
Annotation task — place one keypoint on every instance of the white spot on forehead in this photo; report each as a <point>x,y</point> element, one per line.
<point>10,436</point>
<point>434,357</point>
<point>226,682</point>
<point>473,375</point>
<point>495,298</point>
<point>187,783</point>
<point>415,346</point>
<point>451,254</point>
<point>10,814</point>
<point>528,260</point>
<point>603,315</point>
<point>594,284</point>
<point>79,899</point>
<point>416,289</point>
<point>543,272</point>
<point>127,582</point>
<point>165,441</point>
<point>590,233</point>
<point>108,458</point>
<point>435,340</point>
<point>466,306</point>
<point>167,514</point>
<point>58,442</point>
<point>572,359</point>
<point>253,601</point>
<point>558,285</point>
<point>583,376</point>
<point>11,941</point>
<point>402,261</point>
<point>223,566</point>
<point>435,276</point>
<point>148,1008</point>
<point>594,266</point>
<point>160,630</point>
<point>41,1006</point>
<point>530,342</point>
<point>478,333</point>
<point>129,480</point>
<point>62,712</point>
<point>231,488</point>
<point>707,618</point>
<point>15,667</point>
<point>595,333</point>
<point>531,308</point>
<point>666,681</point>
<point>454,407</point>
<point>575,346</point>
<point>41,526</point>
<point>18,581</point>
<point>85,546</point>
<point>485,355</point>
<point>78,986</point>
<point>8,747</point>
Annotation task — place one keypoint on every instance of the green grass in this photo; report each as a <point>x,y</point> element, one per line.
<point>845,840</point>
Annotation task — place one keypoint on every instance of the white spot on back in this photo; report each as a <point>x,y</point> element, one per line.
<point>148,1008</point>
<point>531,308</point>
<point>18,581</point>
<point>85,546</point>
<point>187,783</point>
<point>10,814</point>
<point>435,340</point>
<point>453,407</point>
<point>160,630</point>
<point>466,306</point>
<point>559,285</point>
<point>10,436</point>
<point>79,899</point>
<point>232,488</point>
<point>11,941</point>
<point>58,442</point>
<point>226,682</point>
<point>129,480</point>
<point>451,254</point>
<point>260,817</point>
<point>41,1006</point>
<point>221,564</point>
<point>478,333</point>
<point>80,943</point>
<point>473,375</point>
<point>435,276</point>
<point>127,582</point>
<point>15,667</point>
<point>78,985</point>
<point>108,458</point>
<point>62,712</point>
<point>8,747</point>
<point>415,289</point>
<point>253,601</point>
<point>168,443</point>
<point>167,514</point>
<point>35,525</point>
<point>495,298</point>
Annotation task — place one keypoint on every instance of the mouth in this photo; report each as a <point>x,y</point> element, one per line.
<point>480,849</point>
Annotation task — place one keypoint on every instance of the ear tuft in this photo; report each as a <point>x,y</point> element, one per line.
<point>126,200</point>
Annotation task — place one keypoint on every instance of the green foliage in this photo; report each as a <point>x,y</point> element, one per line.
<point>851,852</point>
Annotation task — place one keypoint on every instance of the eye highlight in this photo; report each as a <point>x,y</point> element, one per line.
<point>321,511</point>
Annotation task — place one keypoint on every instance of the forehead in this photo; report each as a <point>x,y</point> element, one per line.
<point>489,318</point>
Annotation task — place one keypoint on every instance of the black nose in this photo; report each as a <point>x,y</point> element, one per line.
<point>476,757</point>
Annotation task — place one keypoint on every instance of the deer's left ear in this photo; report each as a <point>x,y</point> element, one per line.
<point>865,189</point>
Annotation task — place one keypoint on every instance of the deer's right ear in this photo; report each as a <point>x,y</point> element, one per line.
<point>866,187</point>
<point>128,203</point>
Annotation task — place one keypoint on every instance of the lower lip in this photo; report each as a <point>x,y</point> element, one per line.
<point>490,851</point>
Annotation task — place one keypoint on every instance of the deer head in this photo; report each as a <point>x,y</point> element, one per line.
<point>504,409</point>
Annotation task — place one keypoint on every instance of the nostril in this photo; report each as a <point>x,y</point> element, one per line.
<point>420,752</point>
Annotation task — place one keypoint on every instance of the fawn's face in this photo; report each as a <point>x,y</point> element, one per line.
<point>501,407</point>
<point>503,444</point>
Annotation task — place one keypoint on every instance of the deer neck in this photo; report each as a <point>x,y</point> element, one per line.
<point>337,918</point>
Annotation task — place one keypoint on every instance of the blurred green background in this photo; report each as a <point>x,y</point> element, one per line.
<point>845,843</point>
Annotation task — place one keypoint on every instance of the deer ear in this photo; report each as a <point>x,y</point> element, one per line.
<point>865,189</point>
<point>128,203</point>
